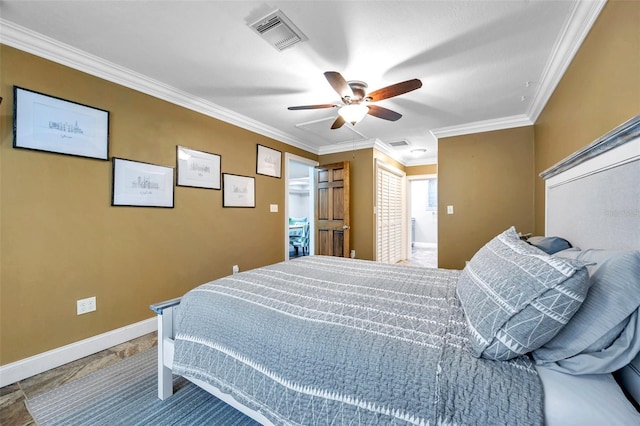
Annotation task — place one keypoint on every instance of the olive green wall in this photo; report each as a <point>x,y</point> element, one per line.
<point>361,198</point>
<point>427,169</point>
<point>599,91</point>
<point>61,240</point>
<point>363,180</point>
<point>488,179</point>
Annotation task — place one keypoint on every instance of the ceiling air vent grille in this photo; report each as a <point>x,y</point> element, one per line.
<point>278,30</point>
<point>397,144</point>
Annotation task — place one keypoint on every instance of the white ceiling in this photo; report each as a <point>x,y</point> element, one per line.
<point>484,65</point>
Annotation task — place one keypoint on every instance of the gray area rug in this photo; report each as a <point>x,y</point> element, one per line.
<point>125,393</point>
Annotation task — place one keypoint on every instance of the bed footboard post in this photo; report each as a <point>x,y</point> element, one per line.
<point>165,312</point>
<point>165,330</point>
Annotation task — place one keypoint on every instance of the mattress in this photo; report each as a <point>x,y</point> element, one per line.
<point>324,340</point>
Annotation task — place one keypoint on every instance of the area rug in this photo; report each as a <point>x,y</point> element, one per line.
<point>125,393</point>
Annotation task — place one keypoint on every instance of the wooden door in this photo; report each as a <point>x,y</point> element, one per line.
<point>332,209</point>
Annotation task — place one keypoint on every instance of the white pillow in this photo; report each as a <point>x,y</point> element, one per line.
<point>592,399</point>
<point>604,335</point>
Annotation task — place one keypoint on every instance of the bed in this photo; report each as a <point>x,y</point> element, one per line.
<point>324,340</point>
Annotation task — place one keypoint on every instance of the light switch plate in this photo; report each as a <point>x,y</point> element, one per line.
<point>273,208</point>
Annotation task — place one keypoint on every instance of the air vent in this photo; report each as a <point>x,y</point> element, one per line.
<point>399,143</point>
<point>278,30</point>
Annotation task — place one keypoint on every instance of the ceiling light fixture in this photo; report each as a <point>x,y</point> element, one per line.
<point>353,113</point>
<point>418,151</point>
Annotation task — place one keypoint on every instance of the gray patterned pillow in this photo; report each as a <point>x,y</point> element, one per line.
<point>516,297</point>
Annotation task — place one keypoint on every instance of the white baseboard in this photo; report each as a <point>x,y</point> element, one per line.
<point>27,367</point>
<point>425,245</point>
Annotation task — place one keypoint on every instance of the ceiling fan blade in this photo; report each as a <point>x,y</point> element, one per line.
<point>338,123</point>
<point>339,84</point>
<point>384,113</point>
<point>395,90</point>
<point>319,106</point>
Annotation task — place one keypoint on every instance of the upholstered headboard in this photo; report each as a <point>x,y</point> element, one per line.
<point>593,196</point>
<point>593,200</point>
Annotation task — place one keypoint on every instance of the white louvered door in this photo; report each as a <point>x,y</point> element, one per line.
<point>389,213</point>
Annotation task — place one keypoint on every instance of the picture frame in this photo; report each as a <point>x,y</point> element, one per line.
<point>50,124</point>
<point>238,191</point>
<point>269,162</point>
<point>197,169</point>
<point>137,184</point>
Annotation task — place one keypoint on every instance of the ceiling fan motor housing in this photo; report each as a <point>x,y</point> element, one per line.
<point>359,89</point>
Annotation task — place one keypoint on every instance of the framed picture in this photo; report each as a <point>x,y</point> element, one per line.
<point>47,123</point>
<point>198,169</point>
<point>269,161</point>
<point>141,184</point>
<point>238,191</point>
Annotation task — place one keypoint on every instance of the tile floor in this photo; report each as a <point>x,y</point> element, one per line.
<point>13,411</point>
<point>425,257</point>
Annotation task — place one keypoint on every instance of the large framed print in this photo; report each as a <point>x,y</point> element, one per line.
<point>46,123</point>
<point>141,184</point>
<point>197,168</point>
<point>238,191</point>
<point>269,161</point>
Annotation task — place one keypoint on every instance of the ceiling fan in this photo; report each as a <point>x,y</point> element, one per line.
<point>357,103</point>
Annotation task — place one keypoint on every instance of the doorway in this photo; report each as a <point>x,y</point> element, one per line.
<point>299,206</point>
<point>423,210</point>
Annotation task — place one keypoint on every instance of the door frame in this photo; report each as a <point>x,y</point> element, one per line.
<point>288,157</point>
<point>408,206</point>
<point>406,219</point>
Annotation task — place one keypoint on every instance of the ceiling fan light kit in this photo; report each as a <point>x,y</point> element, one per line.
<point>357,103</point>
<point>353,113</point>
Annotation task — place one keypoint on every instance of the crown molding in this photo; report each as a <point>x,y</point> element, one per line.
<point>577,27</point>
<point>427,161</point>
<point>519,120</point>
<point>384,148</point>
<point>345,147</point>
<point>45,47</point>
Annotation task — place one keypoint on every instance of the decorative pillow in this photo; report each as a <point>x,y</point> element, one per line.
<point>516,297</point>
<point>550,245</point>
<point>602,325</point>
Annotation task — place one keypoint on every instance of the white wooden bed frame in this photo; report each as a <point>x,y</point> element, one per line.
<point>166,311</point>
<point>620,230</point>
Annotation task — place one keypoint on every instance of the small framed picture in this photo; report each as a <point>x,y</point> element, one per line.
<point>46,123</point>
<point>238,191</point>
<point>197,168</point>
<point>269,161</point>
<point>141,184</point>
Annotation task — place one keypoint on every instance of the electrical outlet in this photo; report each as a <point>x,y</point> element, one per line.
<point>87,305</point>
<point>235,269</point>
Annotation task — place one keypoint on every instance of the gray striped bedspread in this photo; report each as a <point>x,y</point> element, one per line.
<point>323,340</point>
